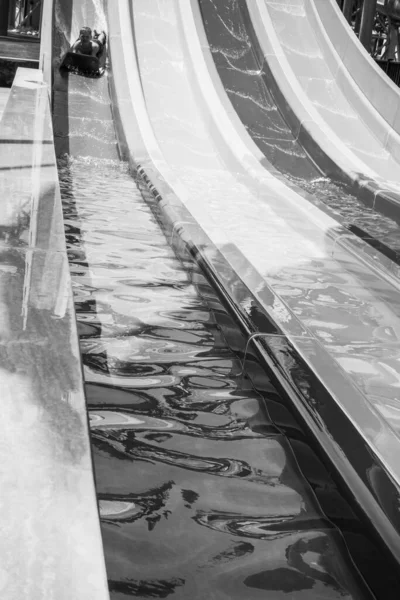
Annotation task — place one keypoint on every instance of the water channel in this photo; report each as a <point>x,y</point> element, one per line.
<point>207,485</point>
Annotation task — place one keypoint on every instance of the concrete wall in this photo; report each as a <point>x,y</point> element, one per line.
<point>51,541</point>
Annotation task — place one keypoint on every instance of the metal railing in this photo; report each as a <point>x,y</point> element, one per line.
<point>392,70</point>
<point>377,24</point>
<point>361,16</point>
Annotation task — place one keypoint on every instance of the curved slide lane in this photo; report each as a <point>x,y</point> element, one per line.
<point>364,83</point>
<point>356,143</point>
<point>240,62</point>
<point>248,82</point>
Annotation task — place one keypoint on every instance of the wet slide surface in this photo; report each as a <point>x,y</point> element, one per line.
<point>199,471</point>
<point>241,64</point>
<point>247,80</point>
<point>334,297</point>
<point>370,361</point>
<point>308,67</point>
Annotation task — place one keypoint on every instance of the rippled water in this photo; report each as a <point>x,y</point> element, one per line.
<point>198,469</point>
<point>352,211</point>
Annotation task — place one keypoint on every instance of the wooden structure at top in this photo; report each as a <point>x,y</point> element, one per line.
<point>20,15</point>
<point>17,47</point>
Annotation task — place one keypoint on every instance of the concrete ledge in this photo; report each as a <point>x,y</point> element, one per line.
<point>353,436</point>
<point>9,66</point>
<point>51,543</point>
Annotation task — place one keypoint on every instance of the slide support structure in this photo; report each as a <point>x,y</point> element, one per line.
<point>4,9</point>
<point>347,9</point>
<point>367,23</point>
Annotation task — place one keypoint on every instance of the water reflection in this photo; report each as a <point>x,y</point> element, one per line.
<point>146,589</point>
<point>306,569</point>
<point>192,475</point>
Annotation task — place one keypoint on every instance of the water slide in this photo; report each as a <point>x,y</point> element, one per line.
<point>255,96</point>
<point>316,70</point>
<point>324,288</point>
<point>282,263</point>
<point>143,334</point>
<point>361,80</point>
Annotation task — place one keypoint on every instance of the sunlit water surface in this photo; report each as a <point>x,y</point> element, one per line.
<point>200,493</point>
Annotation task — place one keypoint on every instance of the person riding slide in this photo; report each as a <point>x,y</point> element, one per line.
<point>88,44</point>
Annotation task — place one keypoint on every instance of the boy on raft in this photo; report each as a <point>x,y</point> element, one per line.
<point>89,44</point>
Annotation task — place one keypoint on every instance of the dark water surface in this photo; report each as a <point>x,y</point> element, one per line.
<point>197,468</point>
